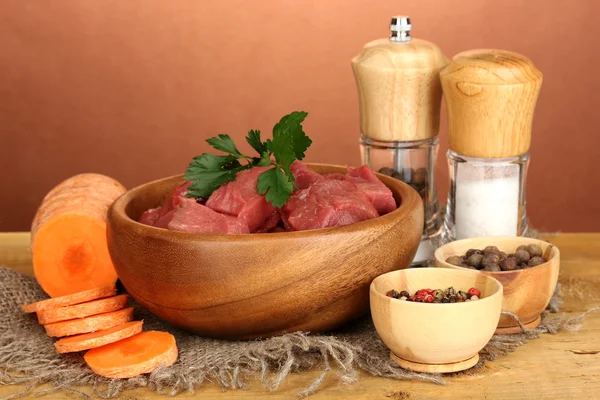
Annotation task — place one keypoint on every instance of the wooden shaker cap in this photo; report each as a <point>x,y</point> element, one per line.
<point>399,89</point>
<point>490,96</point>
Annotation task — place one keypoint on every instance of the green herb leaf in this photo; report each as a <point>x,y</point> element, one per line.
<point>208,171</point>
<point>289,140</point>
<point>253,140</point>
<point>224,143</point>
<point>277,186</point>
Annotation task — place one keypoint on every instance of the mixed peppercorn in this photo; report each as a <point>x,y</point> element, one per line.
<point>416,178</point>
<point>493,260</point>
<point>436,295</point>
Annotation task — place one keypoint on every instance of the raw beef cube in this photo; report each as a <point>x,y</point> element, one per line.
<point>326,204</point>
<point>304,177</point>
<point>161,216</point>
<point>190,216</point>
<point>270,223</point>
<point>239,198</point>
<point>380,195</point>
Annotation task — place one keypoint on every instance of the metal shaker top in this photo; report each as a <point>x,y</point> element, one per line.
<point>400,28</point>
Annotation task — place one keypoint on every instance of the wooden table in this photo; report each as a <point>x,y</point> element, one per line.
<point>546,368</point>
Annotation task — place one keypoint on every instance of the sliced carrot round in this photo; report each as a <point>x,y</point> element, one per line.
<point>70,254</point>
<point>83,310</point>
<point>89,324</point>
<point>133,356</point>
<point>71,299</point>
<point>100,338</point>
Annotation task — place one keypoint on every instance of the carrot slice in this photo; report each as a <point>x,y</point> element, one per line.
<point>71,299</point>
<point>133,356</point>
<point>82,310</point>
<point>100,338</point>
<point>68,235</point>
<point>89,324</point>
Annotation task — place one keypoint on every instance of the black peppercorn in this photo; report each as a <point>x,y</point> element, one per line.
<point>522,247</point>
<point>503,255</point>
<point>397,175</point>
<point>490,258</point>
<point>510,264</point>
<point>454,260</point>
<point>452,299</point>
<point>445,300</point>
<point>470,252</point>
<point>534,261</point>
<point>491,249</point>
<point>387,171</point>
<point>420,176</point>
<point>534,250</point>
<point>475,260</point>
<point>522,256</point>
<point>404,293</point>
<point>492,268</point>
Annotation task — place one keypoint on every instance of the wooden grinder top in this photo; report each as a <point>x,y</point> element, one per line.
<point>491,97</point>
<point>399,87</point>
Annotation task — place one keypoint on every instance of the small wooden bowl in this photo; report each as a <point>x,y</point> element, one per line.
<point>527,292</point>
<point>435,338</point>
<point>258,285</point>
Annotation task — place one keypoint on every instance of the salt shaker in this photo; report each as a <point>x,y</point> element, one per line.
<point>490,97</point>
<point>399,98</point>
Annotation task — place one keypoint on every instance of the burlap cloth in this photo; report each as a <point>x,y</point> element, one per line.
<point>27,354</point>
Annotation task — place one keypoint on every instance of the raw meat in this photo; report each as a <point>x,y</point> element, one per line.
<point>161,216</point>
<point>320,202</point>
<point>190,216</point>
<point>304,176</point>
<point>325,204</point>
<point>240,199</point>
<point>380,195</point>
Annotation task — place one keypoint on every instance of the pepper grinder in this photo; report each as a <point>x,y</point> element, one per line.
<point>490,97</point>
<point>399,98</point>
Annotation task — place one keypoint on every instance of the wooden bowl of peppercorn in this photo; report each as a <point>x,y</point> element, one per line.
<point>435,337</point>
<point>263,284</point>
<point>527,268</point>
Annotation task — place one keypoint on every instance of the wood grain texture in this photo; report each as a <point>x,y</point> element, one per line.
<point>527,292</point>
<point>258,285</point>
<point>443,335</point>
<point>490,96</point>
<point>529,372</point>
<point>399,89</point>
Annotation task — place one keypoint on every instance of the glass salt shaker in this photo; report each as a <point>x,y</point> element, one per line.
<point>399,98</point>
<point>490,97</point>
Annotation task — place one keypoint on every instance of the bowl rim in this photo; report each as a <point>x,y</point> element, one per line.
<point>437,254</point>
<point>498,293</point>
<point>408,196</point>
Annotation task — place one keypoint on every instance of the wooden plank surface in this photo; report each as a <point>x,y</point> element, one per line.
<point>546,368</point>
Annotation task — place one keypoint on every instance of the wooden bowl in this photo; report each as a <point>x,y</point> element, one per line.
<point>258,285</point>
<point>435,337</point>
<point>527,292</point>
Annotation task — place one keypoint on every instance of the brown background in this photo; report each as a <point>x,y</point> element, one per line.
<point>132,88</point>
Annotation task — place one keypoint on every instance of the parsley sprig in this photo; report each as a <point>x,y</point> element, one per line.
<point>208,171</point>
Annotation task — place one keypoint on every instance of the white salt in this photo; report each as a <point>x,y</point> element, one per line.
<point>486,200</point>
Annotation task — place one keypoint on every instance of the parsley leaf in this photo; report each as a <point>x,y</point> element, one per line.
<point>208,172</point>
<point>277,186</point>
<point>289,140</point>
<point>224,143</point>
<point>253,140</point>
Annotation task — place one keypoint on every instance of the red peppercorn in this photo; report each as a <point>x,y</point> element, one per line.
<point>474,292</point>
<point>429,298</point>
